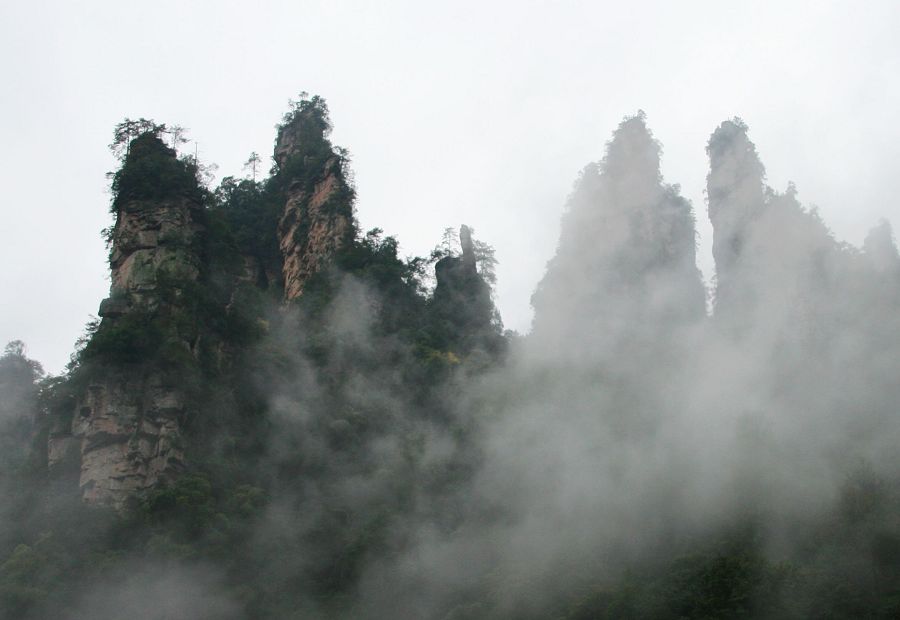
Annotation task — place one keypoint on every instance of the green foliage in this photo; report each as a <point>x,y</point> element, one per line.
<point>249,213</point>
<point>311,157</point>
<point>153,171</point>
<point>732,585</point>
<point>16,368</point>
<point>128,130</point>
<point>225,339</point>
<point>186,505</point>
<point>848,567</point>
<point>462,317</point>
<point>310,114</point>
<point>314,420</point>
<point>372,261</point>
<point>24,579</point>
<point>133,338</point>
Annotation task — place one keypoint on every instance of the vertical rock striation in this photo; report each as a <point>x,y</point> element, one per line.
<point>129,427</point>
<point>318,211</point>
<point>124,435</point>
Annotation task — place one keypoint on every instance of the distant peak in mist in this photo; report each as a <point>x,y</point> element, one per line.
<point>632,150</point>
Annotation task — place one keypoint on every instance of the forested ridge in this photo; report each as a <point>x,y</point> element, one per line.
<point>275,415</point>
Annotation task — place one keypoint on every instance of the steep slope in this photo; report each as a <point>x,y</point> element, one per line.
<point>318,211</point>
<point>124,435</point>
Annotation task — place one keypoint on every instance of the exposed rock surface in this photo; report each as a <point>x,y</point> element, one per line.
<point>151,238</point>
<point>318,212</point>
<point>124,434</point>
<point>128,429</point>
<point>312,229</point>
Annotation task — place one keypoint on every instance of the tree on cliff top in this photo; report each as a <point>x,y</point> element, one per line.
<point>312,111</point>
<point>302,147</point>
<point>152,171</point>
<point>126,131</point>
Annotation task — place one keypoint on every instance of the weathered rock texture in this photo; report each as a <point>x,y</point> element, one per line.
<point>318,212</point>
<point>129,429</point>
<point>151,239</point>
<point>312,230</point>
<point>123,432</point>
<point>124,435</point>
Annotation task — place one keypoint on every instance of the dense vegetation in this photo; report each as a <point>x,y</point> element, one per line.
<point>379,447</point>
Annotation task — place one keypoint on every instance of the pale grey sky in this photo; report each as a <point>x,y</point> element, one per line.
<point>458,112</point>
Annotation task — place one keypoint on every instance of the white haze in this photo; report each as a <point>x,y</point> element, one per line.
<point>157,592</point>
<point>604,447</point>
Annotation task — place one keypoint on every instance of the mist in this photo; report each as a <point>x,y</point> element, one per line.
<point>379,447</point>
<point>630,428</point>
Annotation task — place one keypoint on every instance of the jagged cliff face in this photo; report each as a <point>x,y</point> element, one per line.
<point>318,212</point>
<point>309,234</point>
<point>150,239</point>
<point>155,240</point>
<point>125,437</point>
<point>124,434</point>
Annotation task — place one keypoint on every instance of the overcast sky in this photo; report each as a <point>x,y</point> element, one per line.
<point>460,112</point>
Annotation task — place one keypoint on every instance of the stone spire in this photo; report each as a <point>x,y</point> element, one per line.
<point>318,211</point>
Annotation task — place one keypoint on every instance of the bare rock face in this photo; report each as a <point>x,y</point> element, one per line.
<point>318,213</point>
<point>130,434</point>
<point>311,230</point>
<point>124,435</point>
<point>150,239</point>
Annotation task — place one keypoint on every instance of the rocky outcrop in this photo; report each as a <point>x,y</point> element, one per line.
<point>318,212</point>
<point>151,239</point>
<point>129,430</point>
<point>123,432</point>
<point>124,435</point>
<point>312,229</point>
